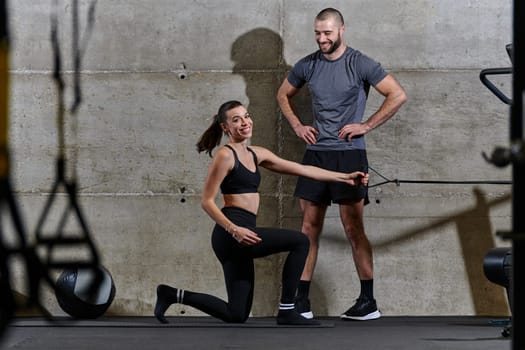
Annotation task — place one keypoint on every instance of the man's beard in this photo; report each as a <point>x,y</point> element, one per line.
<point>333,47</point>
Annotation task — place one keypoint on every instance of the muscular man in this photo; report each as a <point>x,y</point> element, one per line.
<point>338,78</point>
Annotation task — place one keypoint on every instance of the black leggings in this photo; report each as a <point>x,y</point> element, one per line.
<point>238,266</point>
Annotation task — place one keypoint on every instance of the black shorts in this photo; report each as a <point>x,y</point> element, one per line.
<point>336,192</point>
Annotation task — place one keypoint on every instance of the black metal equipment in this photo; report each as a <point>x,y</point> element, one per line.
<point>497,71</point>
<point>497,266</point>
<point>517,140</point>
<point>36,270</point>
<point>515,155</point>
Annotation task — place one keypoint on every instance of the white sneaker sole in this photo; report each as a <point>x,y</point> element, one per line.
<point>309,315</point>
<point>371,316</point>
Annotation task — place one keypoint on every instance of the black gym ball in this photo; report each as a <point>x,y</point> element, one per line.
<point>85,293</point>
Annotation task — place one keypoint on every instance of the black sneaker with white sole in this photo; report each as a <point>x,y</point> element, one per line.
<point>363,310</point>
<point>294,318</point>
<point>303,307</point>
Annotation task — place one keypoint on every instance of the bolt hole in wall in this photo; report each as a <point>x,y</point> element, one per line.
<point>182,74</point>
<point>182,190</point>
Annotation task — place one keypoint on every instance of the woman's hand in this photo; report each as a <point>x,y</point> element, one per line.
<point>356,178</point>
<point>364,179</point>
<point>244,236</point>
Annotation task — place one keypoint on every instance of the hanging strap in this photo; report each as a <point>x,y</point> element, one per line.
<point>58,237</point>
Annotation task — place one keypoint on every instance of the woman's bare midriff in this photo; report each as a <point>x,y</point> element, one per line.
<point>246,201</point>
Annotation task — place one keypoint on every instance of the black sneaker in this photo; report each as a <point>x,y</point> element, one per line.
<point>303,307</point>
<point>292,317</point>
<point>364,309</point>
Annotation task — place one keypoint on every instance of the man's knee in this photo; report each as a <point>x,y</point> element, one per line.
<point>311,229</point>
<point>312,225</point>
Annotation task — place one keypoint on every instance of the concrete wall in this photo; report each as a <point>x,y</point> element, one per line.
<point>131,144</point>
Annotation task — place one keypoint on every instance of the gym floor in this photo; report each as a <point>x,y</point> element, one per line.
<point>429,333</point>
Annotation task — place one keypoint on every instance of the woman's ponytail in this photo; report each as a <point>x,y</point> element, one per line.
<point>213,135</point>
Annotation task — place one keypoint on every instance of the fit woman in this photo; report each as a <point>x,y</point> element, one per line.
<point>236,240</point>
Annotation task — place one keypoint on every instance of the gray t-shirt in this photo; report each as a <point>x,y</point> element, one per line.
<point>338,90</point>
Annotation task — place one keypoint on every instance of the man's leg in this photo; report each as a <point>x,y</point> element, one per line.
<point>313,219</point>
<point>351,213</point>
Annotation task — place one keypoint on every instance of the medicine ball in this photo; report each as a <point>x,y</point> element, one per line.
<point>85,293</point>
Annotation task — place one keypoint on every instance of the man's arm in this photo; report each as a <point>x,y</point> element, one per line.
<point>284,96</point>
<point>395,97</point>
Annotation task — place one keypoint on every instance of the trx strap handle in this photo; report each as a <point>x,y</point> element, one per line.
<point>58,238</point>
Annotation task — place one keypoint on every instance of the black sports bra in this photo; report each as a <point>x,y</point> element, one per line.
<point>240,179</point>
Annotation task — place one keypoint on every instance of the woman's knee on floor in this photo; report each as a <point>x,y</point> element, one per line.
<point>237,316</point>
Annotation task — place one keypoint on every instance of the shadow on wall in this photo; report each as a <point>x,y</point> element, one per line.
<point>475,235</point>
<point>258,58</point>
